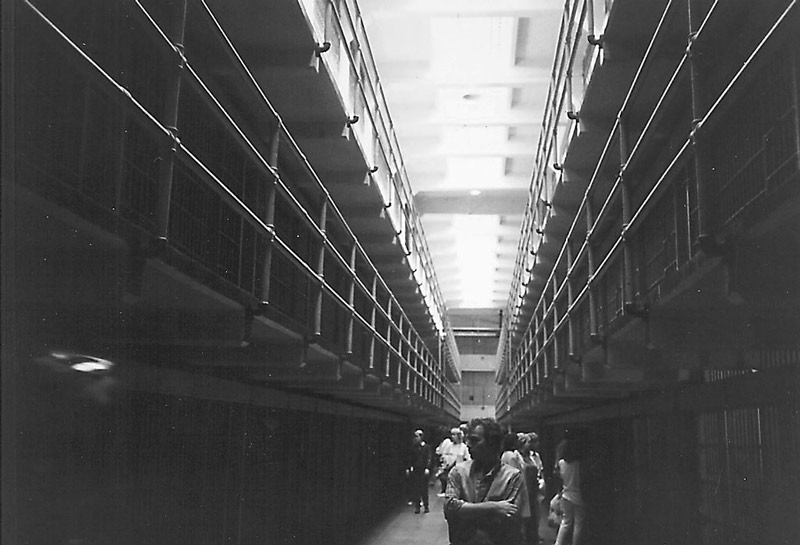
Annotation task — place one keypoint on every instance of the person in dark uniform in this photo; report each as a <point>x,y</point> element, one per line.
<point>420,459</point>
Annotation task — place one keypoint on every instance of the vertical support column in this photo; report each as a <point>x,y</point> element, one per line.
<point>629,303</point>
<point>510,355</point>
<point>351,292</point>
<point>572,344</point>
<point>556,343</point>
<point>421,368</point>
<point>534,327</point>
<point>400,345</point>
<point>705,238</point>
<point>388,357</point>
<point>374,293</point>
<point>409,366</point>
<point>628,296</point>
<point>170,120</point>
<point>528,347</point>
<point>531,359</point>
<point>269,217</point>
<point>594,330</point>
<point>414,370</point>
<point>545,359</point>
<point>412,358</point>
<point>537,358</point>
<point>320,269</point>
<point>530,375</point>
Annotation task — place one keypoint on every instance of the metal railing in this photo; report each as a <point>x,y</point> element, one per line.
<point>354,70</point>
<point>608,264</point>
<point>247,230</point>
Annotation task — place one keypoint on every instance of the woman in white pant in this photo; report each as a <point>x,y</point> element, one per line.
<point>569,465</point>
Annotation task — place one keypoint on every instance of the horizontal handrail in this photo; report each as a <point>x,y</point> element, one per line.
<point>253,84</point>
<point>297,206</point>
<point>643,208</point>
<point>393,155</point>
<point>116,91</point>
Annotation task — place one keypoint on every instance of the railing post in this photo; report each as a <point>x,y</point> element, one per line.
<point>628,297</point>
<point>412,357</point>
<point>409,366</point>
<point>530,358</point>
<point>320,268</point>
<point>572,345</point>
<point>170,120</point>
<point>388,357</point>
<point>374,300</point>
<point>591,269</point>
<point>534,329</point>
<point>269,216</point>
<point>400,351</point>
<point>556,343</point>
<point>351,290</point>
<point>705,238</point>
<point>545,359</point>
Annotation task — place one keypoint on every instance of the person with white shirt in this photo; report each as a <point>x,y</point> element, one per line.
<point>453,452</point>
<point>569,466</point>
<point>534,480</point>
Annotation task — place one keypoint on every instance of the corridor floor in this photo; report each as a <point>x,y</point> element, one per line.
<point>403,527</point>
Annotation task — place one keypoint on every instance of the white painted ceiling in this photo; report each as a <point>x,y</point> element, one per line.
<point>466,82</point>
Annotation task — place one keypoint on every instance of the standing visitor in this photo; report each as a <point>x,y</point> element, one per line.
<point>485,498</point>
<point>569,466</point>
<point>419,470</point>
<point>454,452</point>
<point>534,480</point>
<point>441,473</point>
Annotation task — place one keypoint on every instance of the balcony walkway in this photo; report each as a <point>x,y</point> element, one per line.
<point>403,527</point>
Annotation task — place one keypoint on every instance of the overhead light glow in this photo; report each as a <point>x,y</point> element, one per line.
<point>476,258</point>
<point>82,362</point>
<point>89,366</point>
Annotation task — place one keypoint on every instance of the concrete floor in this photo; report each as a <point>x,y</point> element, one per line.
<point>403,527</point>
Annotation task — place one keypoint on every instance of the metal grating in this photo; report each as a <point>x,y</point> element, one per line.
<point>756,151</point>
<point>736,458</point>
<point>140,178</point>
